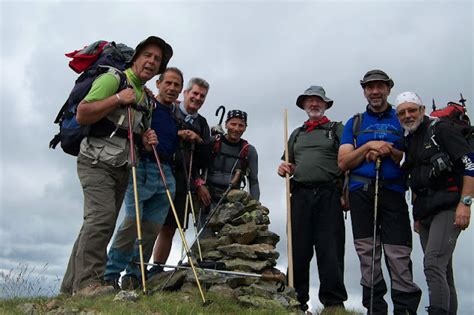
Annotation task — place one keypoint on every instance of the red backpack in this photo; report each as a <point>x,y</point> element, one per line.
<point>455,112</point>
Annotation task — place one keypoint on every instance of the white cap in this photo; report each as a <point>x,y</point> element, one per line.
<point>408,97</point>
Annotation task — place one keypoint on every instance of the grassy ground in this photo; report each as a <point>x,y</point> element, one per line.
<point>19,286</point>
<point>162,303</point>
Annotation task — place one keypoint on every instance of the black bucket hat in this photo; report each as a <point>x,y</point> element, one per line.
<point>376,75</point>
<point>165,48</point>
<point>314,90</point>
<point>235,113</point>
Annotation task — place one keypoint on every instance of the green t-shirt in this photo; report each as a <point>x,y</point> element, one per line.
<point>315,156</point>
<point>107,84</point>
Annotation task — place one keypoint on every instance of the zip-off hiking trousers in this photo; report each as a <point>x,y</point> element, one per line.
<point>438,237</point>
<point>104,188</point>
<point>318,226</point>
<point>153,204</point>
<point>395,237</point>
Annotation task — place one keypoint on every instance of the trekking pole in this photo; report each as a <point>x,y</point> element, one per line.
<point>189,199</point>
<point>463,102</point>
<point>135,194</point>
<point>183,239</point>
<point>288,209</point>
<point>372,267</point>
<point>232,181</point>
<point>188,187</point>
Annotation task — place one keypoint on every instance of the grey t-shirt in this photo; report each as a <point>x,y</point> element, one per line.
<point>219,174</point>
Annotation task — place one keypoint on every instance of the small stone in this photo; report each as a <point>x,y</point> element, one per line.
<point>257,301</point>
<point>212,255</point>
<point>224,240</point>
<point>264,209</point>
<point>28,308</point>
<point>246,265</point>
<point>251,205</point>
<point>236,195</point>
<point>156,282</point>
<point>223,290</point>
<point>53,304</point>
<point>242,234</point>
<point>126,296</point>
<point>267,237</point>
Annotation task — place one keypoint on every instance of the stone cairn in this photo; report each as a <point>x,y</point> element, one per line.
<point>243,243</point>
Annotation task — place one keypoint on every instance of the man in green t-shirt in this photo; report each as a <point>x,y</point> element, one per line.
<point>316,212</point>
<point>103,162</point>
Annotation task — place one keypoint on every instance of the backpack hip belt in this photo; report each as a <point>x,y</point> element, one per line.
<point>371,181</point>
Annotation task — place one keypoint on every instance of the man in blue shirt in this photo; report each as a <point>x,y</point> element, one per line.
<point>152,197</point>
<point>368,136</point>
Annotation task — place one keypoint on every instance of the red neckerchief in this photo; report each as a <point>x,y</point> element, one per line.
<point>310,125</point>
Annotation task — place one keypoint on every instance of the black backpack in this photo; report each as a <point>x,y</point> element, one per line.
<point>101,57</point>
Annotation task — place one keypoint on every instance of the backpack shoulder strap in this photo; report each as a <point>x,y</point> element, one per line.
<point>291,142</point>
<point>356,123</point>
<point>331,133</point>
<point>216,146</point>
<point>244,154</point>
<point>431,130</point>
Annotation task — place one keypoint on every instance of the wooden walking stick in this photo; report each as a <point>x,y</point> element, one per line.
<point>135,194</point>
<point>288,209</point>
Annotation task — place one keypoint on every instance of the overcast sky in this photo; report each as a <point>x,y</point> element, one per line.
<point>257,56</point>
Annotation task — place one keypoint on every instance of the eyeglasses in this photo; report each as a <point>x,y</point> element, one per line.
<point>410,111</point>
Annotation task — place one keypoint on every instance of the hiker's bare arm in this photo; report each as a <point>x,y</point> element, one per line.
<point>91,112</point>
<point>285,168</point>
<point>203,195</point>
<point>395,154</point>
<point>463,212</point>
<point>149,139</point>
<point>349,158</point>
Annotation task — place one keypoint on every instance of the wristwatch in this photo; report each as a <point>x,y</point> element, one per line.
<point>466,200</point>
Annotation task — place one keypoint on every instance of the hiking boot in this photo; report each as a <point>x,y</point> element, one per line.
<point>94,290</point>
<point>130,283</point>
<point>114,282</point>
<point>154,271</point>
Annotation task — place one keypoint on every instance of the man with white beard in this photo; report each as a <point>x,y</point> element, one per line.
<point>439,160</point>
<point>316,216</point>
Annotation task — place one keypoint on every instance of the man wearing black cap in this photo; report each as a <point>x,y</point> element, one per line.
<point>231,154</point>
<point>103,162</point>
<point>316,216</point>
<point>368,137</point>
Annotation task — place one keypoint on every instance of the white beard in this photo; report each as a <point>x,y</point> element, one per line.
<point>412,126</point>
<point>315,113</point>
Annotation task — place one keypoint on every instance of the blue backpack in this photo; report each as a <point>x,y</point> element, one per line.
<point>94,60</point>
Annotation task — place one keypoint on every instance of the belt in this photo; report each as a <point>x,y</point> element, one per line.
<point>371,181</point>
<point>312,185</point>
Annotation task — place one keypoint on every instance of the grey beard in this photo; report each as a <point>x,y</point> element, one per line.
<point>413,127</point>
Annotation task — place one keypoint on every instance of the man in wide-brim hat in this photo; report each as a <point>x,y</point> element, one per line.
<point>316,211</point>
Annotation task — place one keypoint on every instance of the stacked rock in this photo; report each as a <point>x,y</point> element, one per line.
<point>243,243</point>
